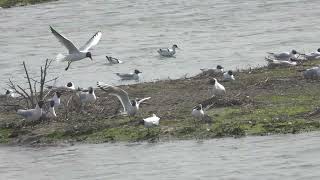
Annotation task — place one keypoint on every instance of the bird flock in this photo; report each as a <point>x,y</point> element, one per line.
<point>131,106</point>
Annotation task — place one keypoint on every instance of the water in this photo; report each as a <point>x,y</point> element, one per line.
<point>232,33</point>
<point>271,157</point>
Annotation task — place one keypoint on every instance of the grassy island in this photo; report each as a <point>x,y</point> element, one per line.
<point>262,101</point>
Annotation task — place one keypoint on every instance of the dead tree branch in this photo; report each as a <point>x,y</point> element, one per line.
<point>30,86</point>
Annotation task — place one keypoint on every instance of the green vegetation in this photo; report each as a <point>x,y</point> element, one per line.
<point>12,3</point>
<point>261,101</point>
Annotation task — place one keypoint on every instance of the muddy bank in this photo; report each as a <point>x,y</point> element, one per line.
<point>261,101</point>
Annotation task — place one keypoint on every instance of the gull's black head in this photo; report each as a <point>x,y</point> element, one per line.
<point>52,103</point>
<point>294,51</point>
<point>137,71</point>
<point>89,55</point>
<point>40,104</point>
<point>141,122</point>
<point>70,84</point>
<point>318,50</point>
<point>219,67</point>
<point>58,94</point>
<point>174,46</point>
<point>90,90</point>
<point>8,92</point>
<point>199,107</point>
<point>133,103</point>
<point>230,72</point>
<point>212,81</point>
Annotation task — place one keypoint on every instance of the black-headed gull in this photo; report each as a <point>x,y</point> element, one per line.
<point>129,76</point>
<point>10,93</point>
<point>70,86</point>
<point>312,73</point>
<point>76,54</point>
<point>151,121</point>
<point>284,63</point>
<point>227,76</point>
<point>312,55</point>
<point>87,96</point>
<point>168,52</point>
<point>219,69</point>
<point>216,89</point>
<point>113,60</point>
<point>32,114</point>
<point>285,56</point>
<point>51,113</point>
<point>197,112</point>
<point>130,107</point>
<point>56,99</point>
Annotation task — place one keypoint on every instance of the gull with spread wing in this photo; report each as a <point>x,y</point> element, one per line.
<point>131,107</point>
<point>75,54</point>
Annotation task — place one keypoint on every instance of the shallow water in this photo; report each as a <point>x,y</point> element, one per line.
<point>270,157</point>
<point>232,33</point>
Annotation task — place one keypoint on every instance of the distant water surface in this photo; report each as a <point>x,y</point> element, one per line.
<point>285,157</point>
<point>233,33</point>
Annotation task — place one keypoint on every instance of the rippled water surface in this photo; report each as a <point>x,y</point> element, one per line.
<point>210,32</point>
<point>271,157</point>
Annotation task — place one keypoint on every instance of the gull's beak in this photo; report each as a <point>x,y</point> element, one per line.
<point>91,58</point>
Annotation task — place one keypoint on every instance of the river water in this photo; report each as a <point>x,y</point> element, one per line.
<point>233,33</point>
<point>286,157</point>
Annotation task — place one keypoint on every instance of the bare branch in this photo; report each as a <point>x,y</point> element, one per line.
<point>30,86</point>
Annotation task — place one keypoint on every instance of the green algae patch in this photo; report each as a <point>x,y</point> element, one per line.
<point>5,135</point>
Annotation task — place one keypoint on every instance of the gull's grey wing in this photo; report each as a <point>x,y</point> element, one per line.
<point>92,42</point>
<point>64,41</point>
<point>25,113</point>
<point>118,92</point>
<point>83,96</point>
<point>123,75</point>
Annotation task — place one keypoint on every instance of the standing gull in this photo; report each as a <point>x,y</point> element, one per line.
<point>167,52</point>
<point>56,99</point>
<point>51,113</point>
<point>75,54</point>
<point>130,107</point>
<point>197,112</point>
<point>87,96</point>
<point>216,89</point>
<point>151,121</point>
